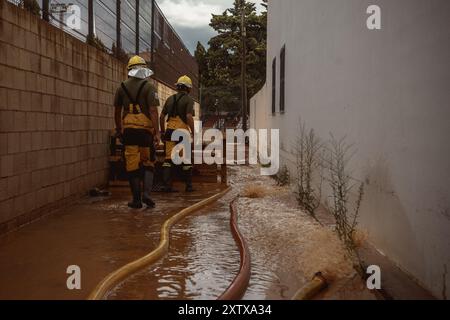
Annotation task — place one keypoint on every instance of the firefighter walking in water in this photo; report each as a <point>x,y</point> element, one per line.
<point>179,110</point>
<point>136,118</point>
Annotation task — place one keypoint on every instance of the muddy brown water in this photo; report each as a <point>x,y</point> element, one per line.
<point>102,235</point>
<point>203,260</point>
<point>98,235</point>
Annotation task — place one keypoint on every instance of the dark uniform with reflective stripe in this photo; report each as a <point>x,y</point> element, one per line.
<point>177,107</point>
<point>136,97</point>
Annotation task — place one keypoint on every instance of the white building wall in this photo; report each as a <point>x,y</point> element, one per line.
<point>388,92</point>
<point>259,119</point>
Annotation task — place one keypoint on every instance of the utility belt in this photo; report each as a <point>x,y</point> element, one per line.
<point>135,118</point>
<point>174,124</point>
<point>138,121</point>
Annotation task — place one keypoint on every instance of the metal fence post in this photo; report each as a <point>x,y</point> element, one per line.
<point>244,66</point>
<point>45,10</point>
<point>118,27</point>
<point>152,40</point>
<point>91,19</point>
<point>137,27</point>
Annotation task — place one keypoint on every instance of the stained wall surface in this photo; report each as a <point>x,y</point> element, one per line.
<point>387,92</point>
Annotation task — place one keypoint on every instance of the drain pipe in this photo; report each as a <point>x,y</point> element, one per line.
<point>238,287</point>
<point>313,288</point>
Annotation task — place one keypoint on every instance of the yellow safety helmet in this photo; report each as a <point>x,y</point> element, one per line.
<point>184,80</point>
<point>135,62</point>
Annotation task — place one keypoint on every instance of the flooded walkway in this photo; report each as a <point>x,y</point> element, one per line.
<point>286,246</point>
<point>203,260</point>
<point>99,236</point>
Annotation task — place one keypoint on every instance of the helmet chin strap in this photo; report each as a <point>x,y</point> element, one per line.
<point>140,73</point>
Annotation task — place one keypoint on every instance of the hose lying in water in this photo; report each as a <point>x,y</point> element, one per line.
<point>121,274</point>
<point>240,283</point>
<point>313,288</point>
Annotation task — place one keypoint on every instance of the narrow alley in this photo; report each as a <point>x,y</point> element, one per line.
<point>272,152</point>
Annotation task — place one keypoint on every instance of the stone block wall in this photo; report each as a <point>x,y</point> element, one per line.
<point>56,96</point>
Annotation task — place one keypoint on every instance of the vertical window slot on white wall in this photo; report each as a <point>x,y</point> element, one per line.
<point>274,85</point>
<point>282,79</point>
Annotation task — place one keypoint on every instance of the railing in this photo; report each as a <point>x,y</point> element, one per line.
<point>123,28</point>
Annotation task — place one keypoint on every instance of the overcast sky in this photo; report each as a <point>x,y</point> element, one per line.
<point>191,18</point>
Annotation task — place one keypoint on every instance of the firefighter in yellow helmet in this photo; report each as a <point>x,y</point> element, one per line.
<point>179,110</point>
<point>136,118</point>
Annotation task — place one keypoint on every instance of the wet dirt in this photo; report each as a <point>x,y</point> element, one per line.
<point>98,235</point>
<point>287,246</point>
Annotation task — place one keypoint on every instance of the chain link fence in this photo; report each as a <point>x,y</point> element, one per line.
<point>123,28</point>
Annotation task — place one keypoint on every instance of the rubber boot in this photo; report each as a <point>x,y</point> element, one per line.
<point>188,180</point>
<point>148,186</point>
<point>167,180</point>
<point>135,186</point>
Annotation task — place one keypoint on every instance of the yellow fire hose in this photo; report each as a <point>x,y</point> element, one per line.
<point>314,287</point>
<point>121,274</point>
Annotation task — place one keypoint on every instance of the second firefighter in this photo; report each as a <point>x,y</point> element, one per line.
<point>179,110</point>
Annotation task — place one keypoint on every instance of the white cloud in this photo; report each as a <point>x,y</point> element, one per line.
<point>190,13</point>
<point>191,18</point>
<point>193,13</point>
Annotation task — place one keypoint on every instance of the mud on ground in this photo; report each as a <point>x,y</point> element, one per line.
<point>287,245</point>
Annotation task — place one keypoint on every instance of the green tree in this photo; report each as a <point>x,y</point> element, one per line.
<point>220,66</point>
<point>200,56</point>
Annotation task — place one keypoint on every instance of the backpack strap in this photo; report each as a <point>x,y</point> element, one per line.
<point>173,110</point>
<point>134,102</point>
<point>124,88</point>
